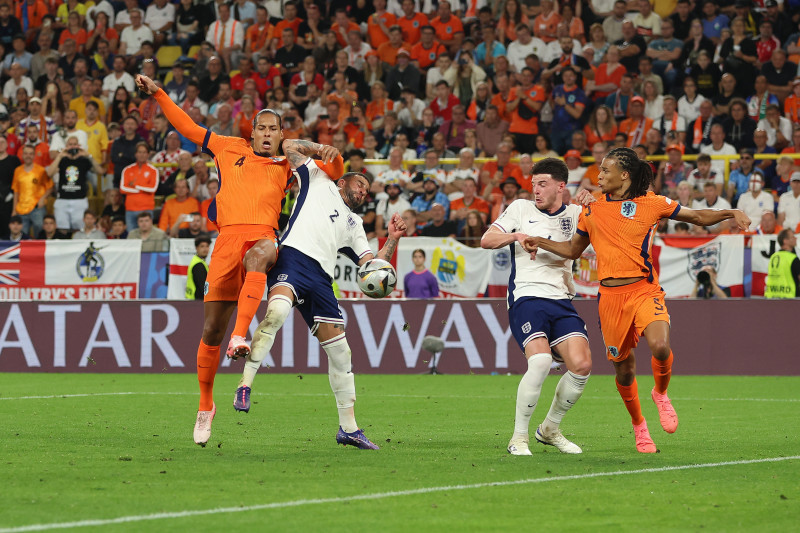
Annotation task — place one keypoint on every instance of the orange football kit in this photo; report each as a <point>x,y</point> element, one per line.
<point>246,209</point>
<point>622,232</point>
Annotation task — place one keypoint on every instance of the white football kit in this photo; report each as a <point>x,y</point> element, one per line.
<point>540,290</point>
<point>321,224</point>
<point>548,276</point>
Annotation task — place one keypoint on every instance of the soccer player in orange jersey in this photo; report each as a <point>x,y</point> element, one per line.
<point>621,225</point>
<point>253,181</point>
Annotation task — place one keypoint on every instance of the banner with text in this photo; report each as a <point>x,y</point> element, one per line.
<point>70,270</point>
<point>386,337</point>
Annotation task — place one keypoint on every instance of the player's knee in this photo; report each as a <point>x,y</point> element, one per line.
<point>583,366</point>
<point>212,333</point>
<point>278,310</point>
<point>660,349</point>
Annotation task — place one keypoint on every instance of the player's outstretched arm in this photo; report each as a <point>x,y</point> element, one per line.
<point>571,249</point>
<point>180,120</point>
<point>395,230</point>
<point>709,217</point>
<point>495,238</point>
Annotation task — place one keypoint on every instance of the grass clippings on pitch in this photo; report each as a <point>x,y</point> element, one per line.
<point>115,452</point>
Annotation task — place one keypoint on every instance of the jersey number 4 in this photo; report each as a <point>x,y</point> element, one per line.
<point>334,215</point>
<point>240,162</point>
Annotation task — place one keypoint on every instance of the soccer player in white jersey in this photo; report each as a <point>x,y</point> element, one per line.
<point>541,315</point>
<point>321,226</point>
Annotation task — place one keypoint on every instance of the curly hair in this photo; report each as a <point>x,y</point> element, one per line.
<point>640,171</point>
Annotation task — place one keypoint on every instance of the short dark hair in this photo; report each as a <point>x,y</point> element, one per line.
<point>93,104</point>
<point>89,212</point>
<point>420,250</point>
<point>350,175</point>
<point>144,214</point>
<point>784,235</point>
<point>118,219</point>
<point>202,239</point>
<point>555,167</point>
<point>49,217</point>
<point>705,158</point>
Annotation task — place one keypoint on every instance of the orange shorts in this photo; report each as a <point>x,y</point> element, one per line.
<point>625,312</point>
<point>226,267</point>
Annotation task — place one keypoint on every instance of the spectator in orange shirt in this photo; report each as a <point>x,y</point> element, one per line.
<point>31,187</point>
<point>290,21</point>
<point>41,149</point>
<point>343,26</point>
<point>378,106</point>
<point>461,207</point>
<point>387,52</point>
<point>177,211</point>
<point>590,177</point>
<point>545,25</point>
<point>31,19</point>
<point>327,125</point>
<point>411,22</point>
<point>259,35</point>
<point>427,50</point>
<point>379,24</point>
<point>500,170</point>
<point>138,182</point>
<point>449,30</point>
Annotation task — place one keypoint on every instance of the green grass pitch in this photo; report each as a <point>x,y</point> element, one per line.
<point>115,453</point>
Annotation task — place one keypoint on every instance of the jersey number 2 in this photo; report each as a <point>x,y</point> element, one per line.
<point>334,215</point>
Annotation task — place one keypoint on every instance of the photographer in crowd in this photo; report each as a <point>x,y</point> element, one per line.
<point>705,286</point>
<point>72,165</point>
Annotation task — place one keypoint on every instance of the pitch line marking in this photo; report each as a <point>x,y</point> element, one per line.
<point>377,395</point>
<point>379,495</point>
<point>172,393</point>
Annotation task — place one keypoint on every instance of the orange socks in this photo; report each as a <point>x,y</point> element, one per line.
<point>662,371</point>
<point>249,300</point>
<point>630,395</point>
<point>207,363</point>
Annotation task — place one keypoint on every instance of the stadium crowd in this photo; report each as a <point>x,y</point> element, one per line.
<point>84,155</point>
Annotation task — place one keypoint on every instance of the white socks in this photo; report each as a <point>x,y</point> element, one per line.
<point>530,387</point>
<point>278,309</point>
<point>568,391</point>
<point>342,380</point>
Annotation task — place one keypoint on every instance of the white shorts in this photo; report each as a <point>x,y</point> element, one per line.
<point>69,213</point>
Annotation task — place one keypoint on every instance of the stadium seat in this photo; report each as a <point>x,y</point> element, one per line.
<point>193,51</point>
<point>233,73</point>
<point>167,55</point>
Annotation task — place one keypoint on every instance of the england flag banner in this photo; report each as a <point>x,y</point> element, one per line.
<point>461,271</point>
<point>677,260</point>
<point>70,270</point>
<point>181,252</point>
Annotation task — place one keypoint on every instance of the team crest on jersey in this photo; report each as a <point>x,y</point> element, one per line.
<point>526,327</point>
<point>283,277</point>
<point>628,209</point>
<point>614,351</point>
<point>566,226</point>
<point>351,222</point>
<point>205,289</point>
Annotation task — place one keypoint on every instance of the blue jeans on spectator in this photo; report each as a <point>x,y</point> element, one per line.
<point>561,138</point>
<point>34,220</point>
<point>130,219</point>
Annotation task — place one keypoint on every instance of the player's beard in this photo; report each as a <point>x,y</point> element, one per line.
<point>351,199</point>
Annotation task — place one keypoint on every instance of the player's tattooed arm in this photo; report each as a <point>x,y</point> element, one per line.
<point>303,149</point>
<point>388,249</point>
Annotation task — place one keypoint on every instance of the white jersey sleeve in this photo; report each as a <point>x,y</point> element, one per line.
<point>509,220</point>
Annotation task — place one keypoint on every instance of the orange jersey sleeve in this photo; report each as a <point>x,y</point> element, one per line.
<point>622,231</point>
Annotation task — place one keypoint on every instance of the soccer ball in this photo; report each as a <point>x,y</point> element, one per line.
<point>377,278</point>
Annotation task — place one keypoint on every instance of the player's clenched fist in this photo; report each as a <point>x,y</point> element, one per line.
<point>397,227</point>
<point>146,85</point>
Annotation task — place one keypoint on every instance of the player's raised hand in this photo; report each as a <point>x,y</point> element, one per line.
<point>742,220</point>
<point>397,227</point>
<point>584,197</point>
<point>328,153</point>
<point>146,85</point>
